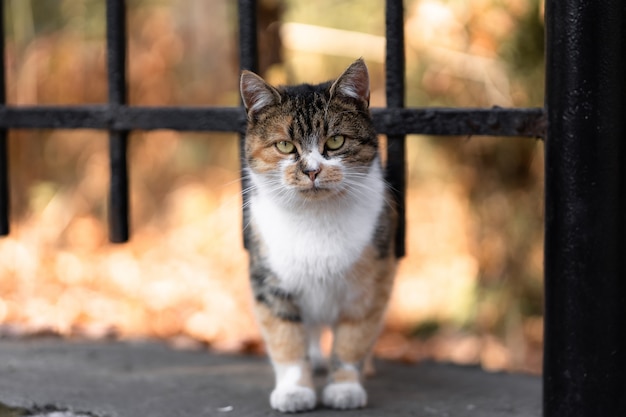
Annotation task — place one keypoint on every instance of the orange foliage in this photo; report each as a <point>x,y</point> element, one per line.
<point>183,276</point>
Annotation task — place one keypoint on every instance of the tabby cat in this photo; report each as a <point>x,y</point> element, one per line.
<point>322,228</point>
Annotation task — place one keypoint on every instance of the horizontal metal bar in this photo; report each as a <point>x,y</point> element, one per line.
<point>218,119</point>
<point>528,122</point>
<point>454,121</point>
<point>57,117</point>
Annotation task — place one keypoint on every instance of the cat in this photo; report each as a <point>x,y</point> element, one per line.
<point>321,229</point>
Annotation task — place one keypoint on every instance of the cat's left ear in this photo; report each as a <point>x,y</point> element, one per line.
<point>353,83</point>
<point>256,93</point>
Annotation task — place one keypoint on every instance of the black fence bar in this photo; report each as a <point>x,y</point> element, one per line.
<point>4,184</point>
<point>394,82</point>
<point>118,197</point>
<point>248,60</point>
<point>448,121</point>
<point>118,139</point>
<point>206,119</point>
<point>585,258</point>
<point>4,160</point>
<point>403,121</point>
<point>248,44</point>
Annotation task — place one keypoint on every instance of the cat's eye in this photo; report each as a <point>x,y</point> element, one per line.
<point>285,147</point>
<point>335,142</point>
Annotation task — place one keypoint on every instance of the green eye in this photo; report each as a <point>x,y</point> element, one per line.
<point>285,147</point>
<point>335,142</point>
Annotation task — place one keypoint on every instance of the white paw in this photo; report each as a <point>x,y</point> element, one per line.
<point>344,395</point>
<point>293,398</point>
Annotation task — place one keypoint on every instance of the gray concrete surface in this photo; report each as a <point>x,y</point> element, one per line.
<point>56,378</point>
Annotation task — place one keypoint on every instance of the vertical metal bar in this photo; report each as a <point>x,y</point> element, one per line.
<point>118,140</point>
<point>395,69</point>
<point>585,262</point>
<point>248,59</point>
<point>4,184</point>
<point>4,160</point>
<point>248,45</point>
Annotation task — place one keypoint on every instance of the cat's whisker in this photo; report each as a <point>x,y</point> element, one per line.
<point>389,202</point>
<point>246,226</point>
<point>249,190</point>
<point>231,182</point>
<point>357,188</point>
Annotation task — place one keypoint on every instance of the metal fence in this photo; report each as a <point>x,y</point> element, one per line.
<point>584,127</point>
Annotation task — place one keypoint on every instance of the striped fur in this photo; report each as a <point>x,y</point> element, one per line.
<point>322,227</point>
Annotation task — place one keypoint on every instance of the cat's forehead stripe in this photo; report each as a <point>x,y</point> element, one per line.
<point>309,115</point>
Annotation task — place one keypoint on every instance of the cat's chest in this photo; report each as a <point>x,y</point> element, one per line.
<point>316,245</point>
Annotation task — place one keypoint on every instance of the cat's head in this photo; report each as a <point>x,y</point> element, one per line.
<point>310,142</point>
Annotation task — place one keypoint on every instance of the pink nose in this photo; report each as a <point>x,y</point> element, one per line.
<point>312,173</point>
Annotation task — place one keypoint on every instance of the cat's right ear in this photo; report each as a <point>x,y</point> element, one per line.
<point>353,83</point>
<point>256,93</point>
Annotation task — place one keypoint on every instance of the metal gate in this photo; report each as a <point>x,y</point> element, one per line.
<point>584,127</point>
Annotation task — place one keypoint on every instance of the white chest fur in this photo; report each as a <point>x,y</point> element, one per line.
<point>312,248</point>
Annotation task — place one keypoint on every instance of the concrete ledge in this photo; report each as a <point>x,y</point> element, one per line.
<point>112,379</point>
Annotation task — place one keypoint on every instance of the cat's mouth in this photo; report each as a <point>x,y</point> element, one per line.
<point>313,189</point>
<point>317,192</point>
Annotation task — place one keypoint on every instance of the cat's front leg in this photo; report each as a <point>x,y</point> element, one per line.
<point>352,342</point>
<point>286,342</point>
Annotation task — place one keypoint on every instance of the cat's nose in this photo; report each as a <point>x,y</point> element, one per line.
<point>312,173</point>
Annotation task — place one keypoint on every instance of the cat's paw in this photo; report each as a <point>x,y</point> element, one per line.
<point>344,395</point>
<point>293,398</point>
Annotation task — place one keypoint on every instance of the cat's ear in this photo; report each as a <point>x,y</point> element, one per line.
<point>256,93</point>
<point>353,83</point>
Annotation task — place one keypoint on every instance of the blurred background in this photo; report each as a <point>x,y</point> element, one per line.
<point>470,288</point>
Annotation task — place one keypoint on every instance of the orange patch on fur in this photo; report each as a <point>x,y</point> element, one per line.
<point>285,340</point>
<point>261,150</point>
<point>265,158</point>
<point>344,375</point>
<point>358,328</point>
